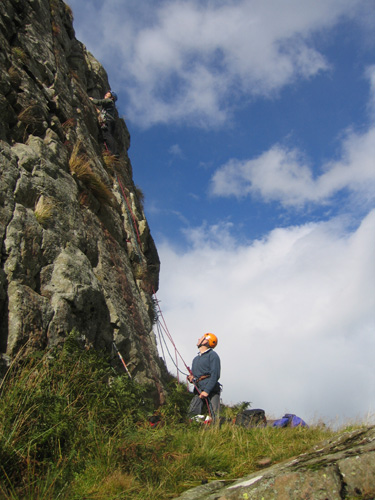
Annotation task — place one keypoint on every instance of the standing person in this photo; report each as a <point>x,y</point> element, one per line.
<point>205,377</point>
<point>106,118</point>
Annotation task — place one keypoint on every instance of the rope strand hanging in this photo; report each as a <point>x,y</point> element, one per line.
<point>159,327</point>
<point>169,336</point>
<point>164,328</point>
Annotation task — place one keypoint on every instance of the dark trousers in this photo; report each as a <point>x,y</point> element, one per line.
<point>108,132</point>
<point>199,406</point>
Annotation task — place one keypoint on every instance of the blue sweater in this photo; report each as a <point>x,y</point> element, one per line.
<point>207,363</point>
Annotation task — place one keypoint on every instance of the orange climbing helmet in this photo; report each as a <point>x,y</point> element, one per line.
<point>212,339</point>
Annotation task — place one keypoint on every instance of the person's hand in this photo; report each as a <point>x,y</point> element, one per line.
<point>190,378</point>
<point>91,98</point>
<point>203,395</point>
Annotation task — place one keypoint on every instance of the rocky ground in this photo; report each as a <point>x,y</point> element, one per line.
<point>340,469</point>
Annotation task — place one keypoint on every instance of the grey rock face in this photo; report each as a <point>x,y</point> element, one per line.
<point>343,468</point>
<point>76,249</point>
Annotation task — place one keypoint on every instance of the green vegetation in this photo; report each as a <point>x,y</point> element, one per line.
<point>71,428</point>
<point>19,54</point>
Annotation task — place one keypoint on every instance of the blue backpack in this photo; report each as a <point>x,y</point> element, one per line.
<point>290,420</point>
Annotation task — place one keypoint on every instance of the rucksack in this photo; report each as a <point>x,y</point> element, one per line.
<point>155,421</point>
<point>251,418</point>
<point>289,420</point>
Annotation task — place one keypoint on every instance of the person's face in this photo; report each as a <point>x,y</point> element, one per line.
<point>108,95</point>
<point>202,341</point>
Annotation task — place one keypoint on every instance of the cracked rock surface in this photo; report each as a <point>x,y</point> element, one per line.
<point>76,248</point>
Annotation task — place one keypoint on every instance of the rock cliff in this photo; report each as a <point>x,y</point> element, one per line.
<point>76,249</point>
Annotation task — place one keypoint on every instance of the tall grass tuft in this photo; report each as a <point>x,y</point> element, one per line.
<point>32,115</point>
<point>80,167</point>
<point>44,210</point>
<point>112,162</point>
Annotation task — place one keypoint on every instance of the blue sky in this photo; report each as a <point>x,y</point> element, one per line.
<point>253,140</point>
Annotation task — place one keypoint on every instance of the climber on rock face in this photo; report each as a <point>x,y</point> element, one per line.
<point>107,119</point>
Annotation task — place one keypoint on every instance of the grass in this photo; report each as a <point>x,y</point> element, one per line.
<point>112,162</point>
<point>44,210</point>
<point>32,115</point>
<point>73,428</point>
<point>33,119</point>
<point>15,77</point>
<point>69,124</point>
<point>19,54</point>
<point>80,167</point>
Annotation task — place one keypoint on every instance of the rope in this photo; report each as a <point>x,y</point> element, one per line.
<point>162,339</point>
<point>165,328</point>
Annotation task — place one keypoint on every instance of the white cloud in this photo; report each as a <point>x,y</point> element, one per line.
<point>180,60</point>
<point>370,75</point>
<point>294,314</point>
<point>175,150</point>
<point>283,175</point>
